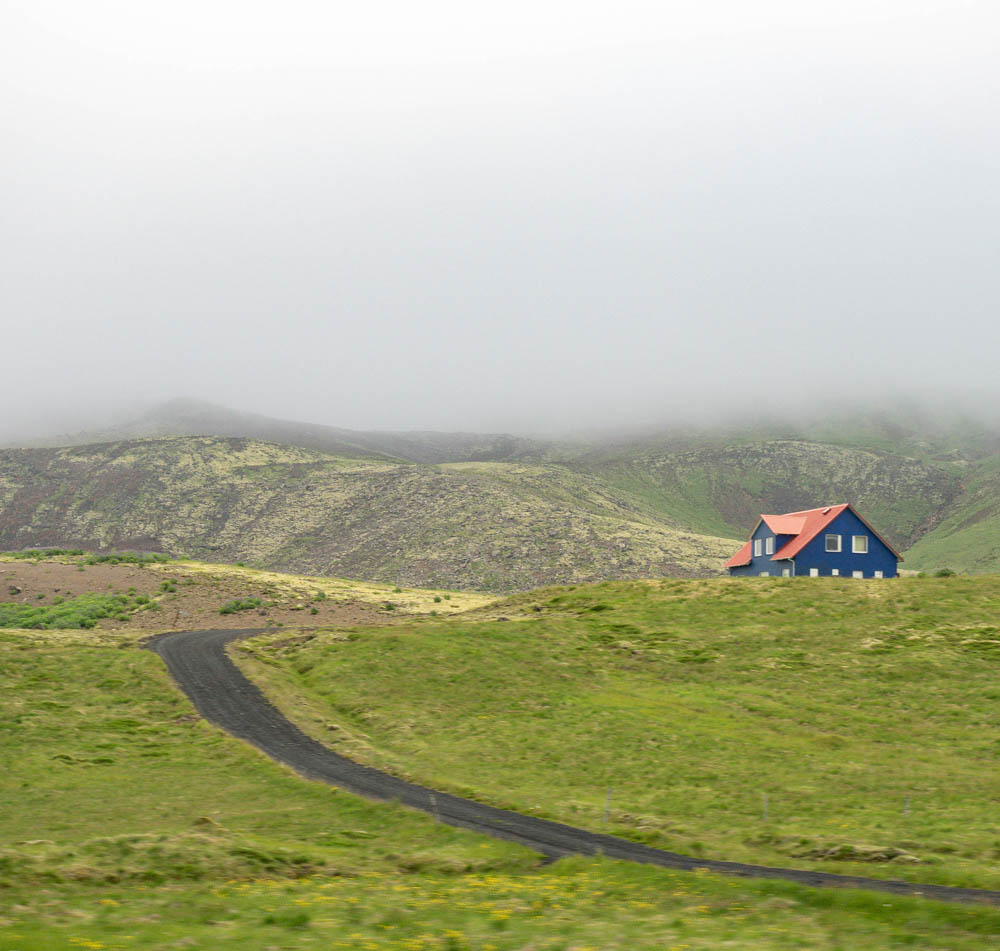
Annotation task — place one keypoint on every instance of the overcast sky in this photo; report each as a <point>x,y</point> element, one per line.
<point>513,215</point>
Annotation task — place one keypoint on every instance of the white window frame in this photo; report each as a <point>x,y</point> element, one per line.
<point>769,545</point>
<point>857,574</point>
<point>814,572</point>
<point>757,545</point>
<point>829,539</point>
<point>764,574</point>
<point>835,572</point>
<point>879,574</point>
<point>854,544</point>
<point>786,572</point>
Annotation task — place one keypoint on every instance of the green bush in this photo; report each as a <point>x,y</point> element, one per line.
<point>240,604</point>
<point>944,573</point>
<point>127,558</point>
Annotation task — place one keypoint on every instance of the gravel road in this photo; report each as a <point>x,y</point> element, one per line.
<point>199,663</point>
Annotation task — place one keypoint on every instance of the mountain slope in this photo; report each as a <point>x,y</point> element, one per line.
<point>721,489</point>
<point>966,535</point>
<point>489,526</point>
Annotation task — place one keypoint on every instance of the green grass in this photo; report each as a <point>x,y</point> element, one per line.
<point>130,823</point>
<point>865,711</point>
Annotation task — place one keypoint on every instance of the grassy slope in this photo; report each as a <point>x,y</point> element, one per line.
<point>476,525</point>
<point>130,823</point>
<point>839,699</point>
<point>721,489</point>
<point>966,537</point>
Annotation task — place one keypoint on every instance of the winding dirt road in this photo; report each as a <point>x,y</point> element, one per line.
<point>199,663</point>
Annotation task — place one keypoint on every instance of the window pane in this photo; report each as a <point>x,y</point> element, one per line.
<point>860,544</point>
<point>833,543</point>
<point>769,546</point>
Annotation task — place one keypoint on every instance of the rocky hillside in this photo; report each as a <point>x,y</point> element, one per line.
<point>492,526</point>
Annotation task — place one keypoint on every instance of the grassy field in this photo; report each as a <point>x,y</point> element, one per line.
<point>128,822</point>
<point>864,711</point>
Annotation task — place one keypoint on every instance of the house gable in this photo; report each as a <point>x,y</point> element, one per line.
<point>879,556</point>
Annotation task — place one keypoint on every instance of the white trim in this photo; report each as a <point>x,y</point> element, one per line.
<point>769,545</point>
<point>814,572</point>
<point>786,572</point>
<point>764,574</point>
<point>835,572</point>
<point>757,545</point>
<point>879,574</point>
<point>829,538</point>
<point>854,545</point>
<point>857,574</point>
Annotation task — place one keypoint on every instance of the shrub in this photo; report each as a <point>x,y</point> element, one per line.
<point>35,553</point>
<point>944,573</point>
<point>128,558</point>
<point>73,613</point>
<point>240,604</point>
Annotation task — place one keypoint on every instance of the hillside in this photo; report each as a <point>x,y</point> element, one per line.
<point>496,512</point>
<point>966,534</point>
<point>721,488</point>
<point>488,526</point>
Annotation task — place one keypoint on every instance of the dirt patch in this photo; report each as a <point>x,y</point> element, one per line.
<point>192,599</point>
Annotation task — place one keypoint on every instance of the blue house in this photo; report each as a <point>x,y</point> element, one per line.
<point>829,541</point>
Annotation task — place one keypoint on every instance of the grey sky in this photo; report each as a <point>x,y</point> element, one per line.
<point>517,215</point>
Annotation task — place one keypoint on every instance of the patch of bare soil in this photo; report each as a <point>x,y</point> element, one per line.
<point>186,599</point>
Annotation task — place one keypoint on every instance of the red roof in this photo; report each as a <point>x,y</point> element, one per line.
<point>784,524</point>
<point>811,522</point>
<point>742,557</point>
<point>804,526</point>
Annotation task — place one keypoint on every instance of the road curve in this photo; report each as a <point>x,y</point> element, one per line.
<point>198,661</point>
